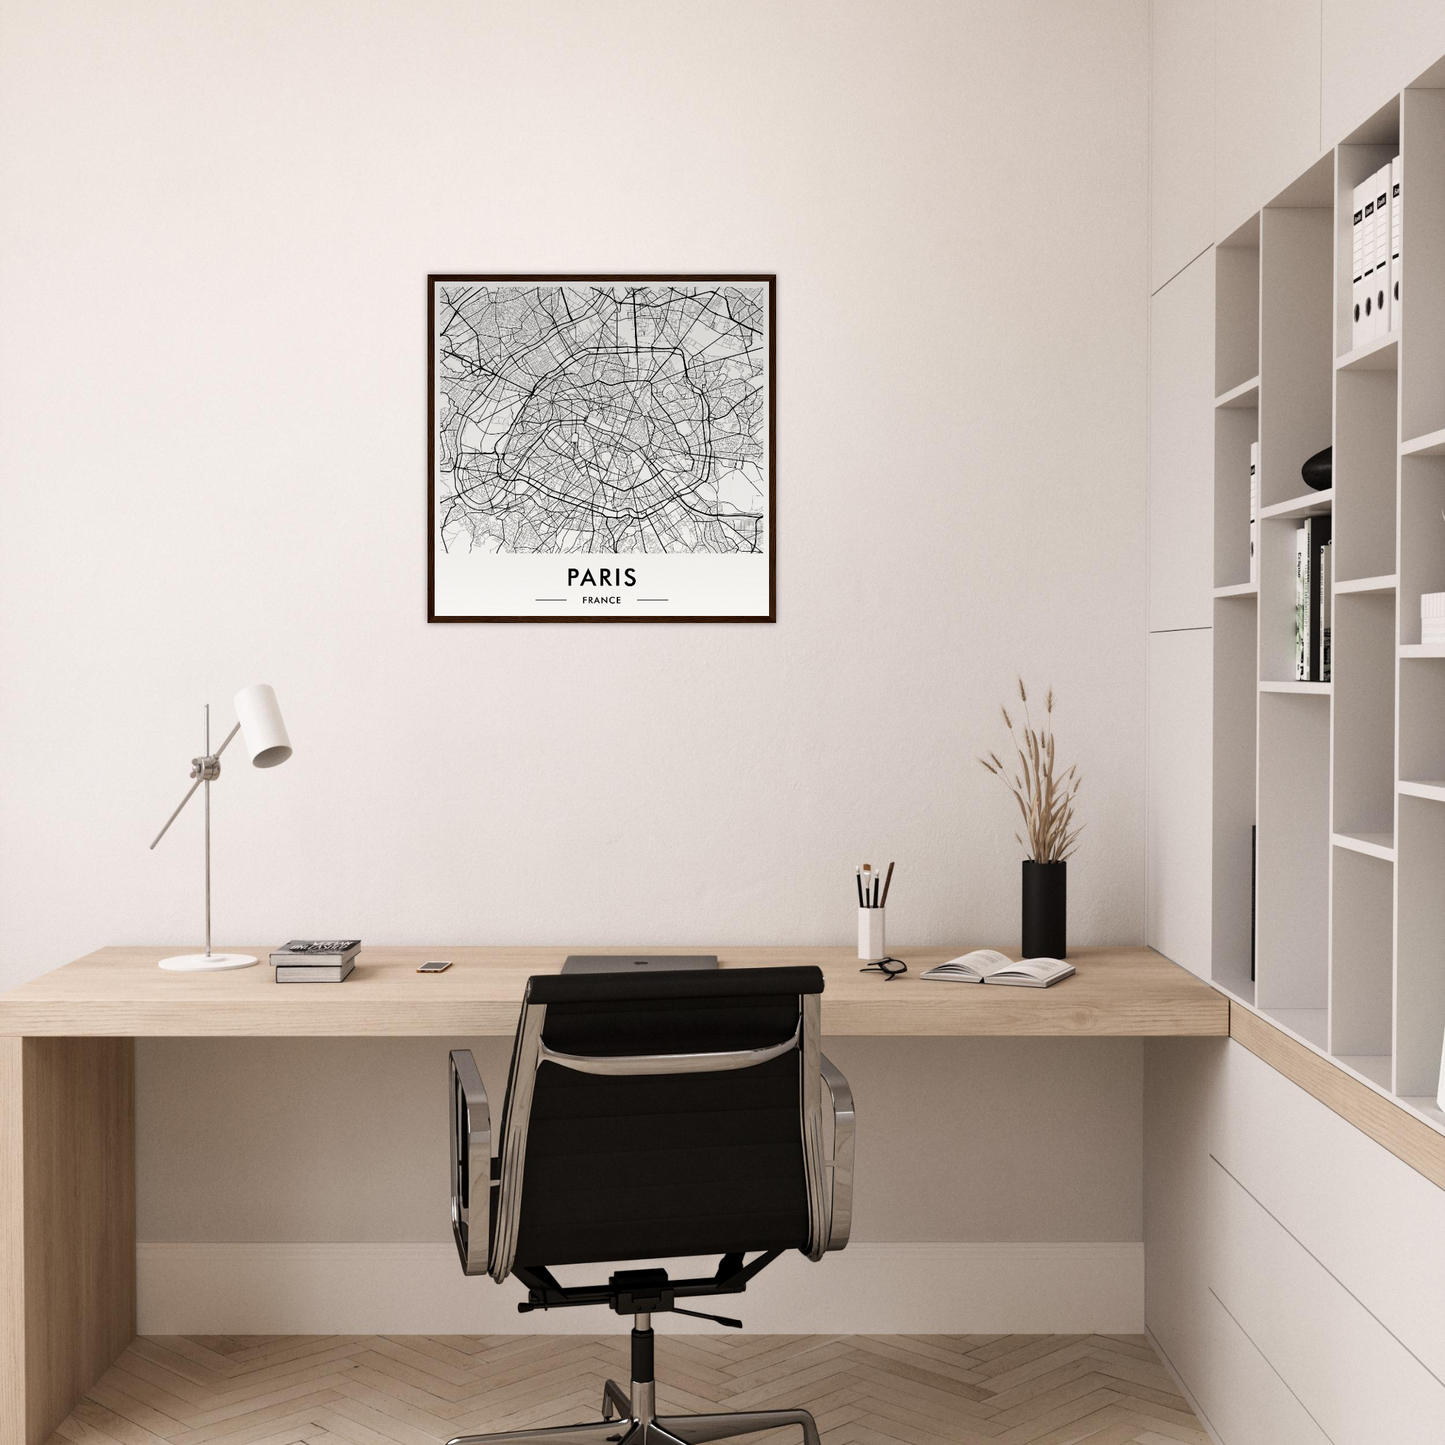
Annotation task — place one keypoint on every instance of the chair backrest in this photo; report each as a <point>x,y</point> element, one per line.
<point>669,1114</point>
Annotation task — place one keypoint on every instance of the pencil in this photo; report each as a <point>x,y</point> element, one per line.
<point>887,883</point>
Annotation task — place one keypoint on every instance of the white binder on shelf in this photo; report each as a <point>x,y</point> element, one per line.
<point>1357,267</point>
<point>1396,225</point>
<point>1367,324</point>
<point>1382,251</point>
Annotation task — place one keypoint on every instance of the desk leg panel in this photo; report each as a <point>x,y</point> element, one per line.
<point>67,1211</point>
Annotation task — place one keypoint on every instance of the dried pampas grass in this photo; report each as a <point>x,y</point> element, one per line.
<point>1046,801</point>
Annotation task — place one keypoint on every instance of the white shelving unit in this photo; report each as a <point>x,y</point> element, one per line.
<point>1344,781</point>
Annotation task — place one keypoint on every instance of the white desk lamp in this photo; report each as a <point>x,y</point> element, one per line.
<point>258,720</point>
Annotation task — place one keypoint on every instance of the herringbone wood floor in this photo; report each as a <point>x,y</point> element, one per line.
<point>420,1389</point>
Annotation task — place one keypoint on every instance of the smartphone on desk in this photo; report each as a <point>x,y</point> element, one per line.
<point>435,965</point>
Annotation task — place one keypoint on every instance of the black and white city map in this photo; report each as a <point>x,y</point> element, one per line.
<point>601,448</point>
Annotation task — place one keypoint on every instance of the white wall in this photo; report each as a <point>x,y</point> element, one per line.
<point>1012,1140</point>
<point>217,224</point>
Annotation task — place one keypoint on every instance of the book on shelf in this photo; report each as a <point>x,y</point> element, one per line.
<point>1254,513</point>
<point>988,965</point>
<point>314,972</point>
<point>1326,606</point>
<point>1301,606</point>
<point>1310,610</point>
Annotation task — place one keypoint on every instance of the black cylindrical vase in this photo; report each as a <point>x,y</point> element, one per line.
<point>1046,909</point>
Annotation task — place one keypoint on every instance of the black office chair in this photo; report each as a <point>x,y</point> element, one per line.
<point>650,1117</point>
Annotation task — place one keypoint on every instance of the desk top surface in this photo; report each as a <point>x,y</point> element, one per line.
<point>120,992</point>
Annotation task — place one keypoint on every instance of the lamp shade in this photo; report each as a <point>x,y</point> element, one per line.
<point>262,730</point>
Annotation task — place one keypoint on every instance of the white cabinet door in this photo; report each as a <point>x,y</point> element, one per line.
<point>1366,1216</point>
<point>1358,1382</point>
<point>1178,901</point>
<point>1370,52</point>
<point>1181,134</point>
<point>1266,103</point>
<point>1246,1401</point>
<point>1181,450</point>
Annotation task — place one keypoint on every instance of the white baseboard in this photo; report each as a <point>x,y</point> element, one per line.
<point>306,1289</point>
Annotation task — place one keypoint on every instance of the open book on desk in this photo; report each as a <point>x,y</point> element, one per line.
<point>987,965</point>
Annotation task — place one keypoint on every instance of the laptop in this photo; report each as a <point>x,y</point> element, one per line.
<point>637,962</point>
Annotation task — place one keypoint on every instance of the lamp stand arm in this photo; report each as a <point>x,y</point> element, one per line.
<point>200,767</point>
<point>190,791</point>
<point>227,743</point>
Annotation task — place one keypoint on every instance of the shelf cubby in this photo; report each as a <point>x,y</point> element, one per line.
<point>1422,537</point>
<point>1420,962</point>
<point>1235,429</point>
<point>1294,852</point>
<point>1365,459</point>
<point>1422,720</point>
<point>1362,902</point>
<point>1236,707</point>
<point>1422,253</point>
<point>1364,703</point>
<point>1236,314</point>
<point>1296,323</point>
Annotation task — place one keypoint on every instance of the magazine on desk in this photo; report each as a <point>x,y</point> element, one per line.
<point>988,965</point>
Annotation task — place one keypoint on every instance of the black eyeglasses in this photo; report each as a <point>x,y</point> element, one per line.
<point>890,968</point>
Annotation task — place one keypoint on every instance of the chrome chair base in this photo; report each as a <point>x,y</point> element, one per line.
<point>642,1427</point>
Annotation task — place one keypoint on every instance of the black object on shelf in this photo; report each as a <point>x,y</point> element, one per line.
<point>1319,471</point>
<point>1046,908</point>
<point>1253,892</point>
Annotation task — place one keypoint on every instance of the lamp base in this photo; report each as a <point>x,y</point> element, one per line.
<point>206,962</point>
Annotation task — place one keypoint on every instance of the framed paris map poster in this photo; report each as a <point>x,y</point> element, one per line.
<point>600,449</point>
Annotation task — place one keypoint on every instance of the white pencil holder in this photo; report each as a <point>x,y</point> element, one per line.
<point>871,946</point>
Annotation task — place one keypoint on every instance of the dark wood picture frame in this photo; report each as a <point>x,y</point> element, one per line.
<point>768,278</point>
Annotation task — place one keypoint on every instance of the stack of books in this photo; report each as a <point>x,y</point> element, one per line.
<point>1313,582</point>
<point>315,960</point>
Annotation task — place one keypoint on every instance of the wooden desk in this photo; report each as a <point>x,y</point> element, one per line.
<point>67,1090</point>
<point>119,992</point>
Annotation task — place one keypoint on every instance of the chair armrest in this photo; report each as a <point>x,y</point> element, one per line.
<point>840,1166</point>
<point>471,1129</point>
